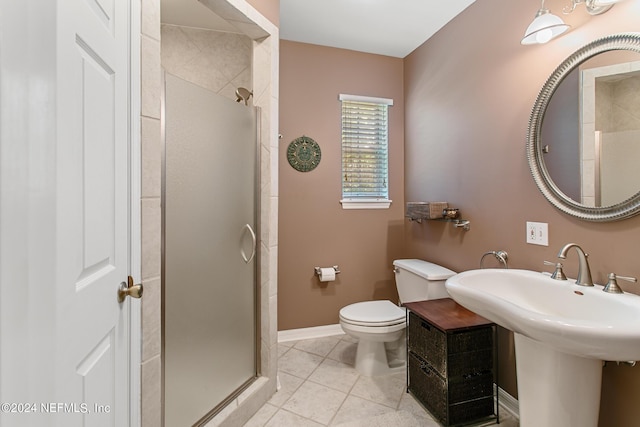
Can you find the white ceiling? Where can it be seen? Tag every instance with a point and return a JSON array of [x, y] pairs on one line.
[[192, 13], [385, 27]]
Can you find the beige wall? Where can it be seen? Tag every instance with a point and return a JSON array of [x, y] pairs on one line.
[[469, 94], [314, 230], [269, 8]]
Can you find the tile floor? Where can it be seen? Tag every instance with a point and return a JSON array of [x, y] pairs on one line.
[[320, 387]]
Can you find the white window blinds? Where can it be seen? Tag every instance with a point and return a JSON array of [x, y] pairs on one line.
[[365, 151]]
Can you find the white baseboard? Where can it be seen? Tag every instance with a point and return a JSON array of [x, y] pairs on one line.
[[509, 403], [308, 333]]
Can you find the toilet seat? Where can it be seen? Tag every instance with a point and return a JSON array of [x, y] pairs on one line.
[[373, 314]]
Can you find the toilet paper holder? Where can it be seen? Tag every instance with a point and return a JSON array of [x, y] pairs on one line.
[[335, 267]]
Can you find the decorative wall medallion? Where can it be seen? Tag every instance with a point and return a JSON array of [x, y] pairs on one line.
[[304, 154]]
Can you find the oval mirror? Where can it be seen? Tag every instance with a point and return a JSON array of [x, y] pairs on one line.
[[583, 142]]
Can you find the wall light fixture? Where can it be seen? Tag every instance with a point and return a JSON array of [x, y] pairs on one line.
[[545, 26], [594, 7]]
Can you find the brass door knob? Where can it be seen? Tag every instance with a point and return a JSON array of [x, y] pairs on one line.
[[129, 290]]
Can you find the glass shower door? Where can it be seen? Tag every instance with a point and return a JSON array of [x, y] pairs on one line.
[[209, 256]]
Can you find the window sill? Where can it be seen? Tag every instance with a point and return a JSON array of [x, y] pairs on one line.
[[365, 203]]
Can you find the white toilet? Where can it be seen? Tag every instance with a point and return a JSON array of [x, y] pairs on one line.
[[380, 326]]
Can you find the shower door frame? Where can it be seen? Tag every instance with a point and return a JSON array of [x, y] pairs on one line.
[[257, 259]]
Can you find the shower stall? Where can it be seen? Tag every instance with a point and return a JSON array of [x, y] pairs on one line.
[[209, 271]]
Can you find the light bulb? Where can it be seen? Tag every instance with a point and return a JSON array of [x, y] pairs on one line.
[[544, 36]]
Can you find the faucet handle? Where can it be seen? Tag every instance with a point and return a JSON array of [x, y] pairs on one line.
[[612, 286], [558, 274]]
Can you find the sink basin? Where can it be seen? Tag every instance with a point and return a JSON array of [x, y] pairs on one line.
[[574, 319], [562, 332]]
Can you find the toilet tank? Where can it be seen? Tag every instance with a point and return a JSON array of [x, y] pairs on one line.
[[418, 280]]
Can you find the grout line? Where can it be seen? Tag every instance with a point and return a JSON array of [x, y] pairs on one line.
[[273, 415], [345, 339], [346, 395]]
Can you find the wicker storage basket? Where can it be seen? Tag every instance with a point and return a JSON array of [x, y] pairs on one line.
[[467, 397], [432, 344]]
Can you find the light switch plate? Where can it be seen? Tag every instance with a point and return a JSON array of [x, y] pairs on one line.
[[538, 233]]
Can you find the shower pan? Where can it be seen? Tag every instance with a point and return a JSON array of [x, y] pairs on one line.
[[209, 265]]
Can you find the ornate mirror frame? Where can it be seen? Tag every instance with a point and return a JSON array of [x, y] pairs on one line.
[[622, 210]]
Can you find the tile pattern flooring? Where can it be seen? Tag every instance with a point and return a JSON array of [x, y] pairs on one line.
[[320, 387]]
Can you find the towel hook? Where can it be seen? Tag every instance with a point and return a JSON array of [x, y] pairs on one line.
[[501, 256]]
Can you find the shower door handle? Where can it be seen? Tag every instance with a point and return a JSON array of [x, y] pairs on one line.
[[253, 245]]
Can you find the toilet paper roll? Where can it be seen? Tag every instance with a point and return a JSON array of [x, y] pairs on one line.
[[327, 274]]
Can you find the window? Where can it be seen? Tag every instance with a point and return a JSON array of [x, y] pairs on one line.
[[365, 152]]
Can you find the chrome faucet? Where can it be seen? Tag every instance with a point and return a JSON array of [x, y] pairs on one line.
[[584, 272]]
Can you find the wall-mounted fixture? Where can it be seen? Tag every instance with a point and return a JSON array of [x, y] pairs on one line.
[[437, 211], [243, 94], [548, 177], [546, 26], [327, 274], [501, 256], [594, 7]]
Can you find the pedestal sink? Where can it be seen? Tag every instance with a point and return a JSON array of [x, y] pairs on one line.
[[562, 332]]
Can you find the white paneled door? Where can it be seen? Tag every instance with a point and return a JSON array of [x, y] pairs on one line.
[[65, 214], [93, 191]]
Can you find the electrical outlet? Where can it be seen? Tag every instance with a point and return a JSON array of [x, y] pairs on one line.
[[538, 233]]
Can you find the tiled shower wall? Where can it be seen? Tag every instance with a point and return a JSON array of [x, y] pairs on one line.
[[220, 62], [151, 412], [610, 115]]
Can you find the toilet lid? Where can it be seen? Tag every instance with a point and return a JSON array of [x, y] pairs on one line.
[[426, 269], [374, 313]]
